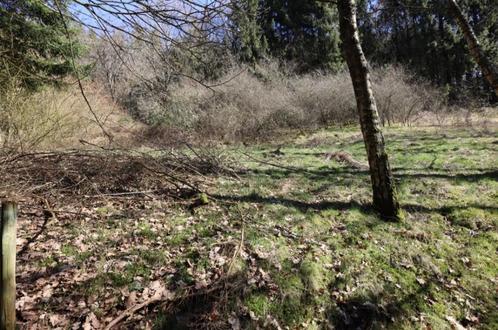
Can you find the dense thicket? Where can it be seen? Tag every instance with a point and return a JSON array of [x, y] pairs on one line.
[[295, 74]]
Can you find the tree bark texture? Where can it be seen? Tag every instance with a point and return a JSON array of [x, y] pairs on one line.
[[384, 192], [487, 68]]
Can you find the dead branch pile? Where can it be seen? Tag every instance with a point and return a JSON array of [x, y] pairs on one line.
[[91, 173], [68, 198]]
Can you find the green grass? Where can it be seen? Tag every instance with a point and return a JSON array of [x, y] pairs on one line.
[[314, 252], [356, 270]]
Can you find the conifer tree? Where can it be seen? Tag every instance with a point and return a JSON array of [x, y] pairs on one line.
[[248, 41], [34, 45], [302, 31], [424, 36]]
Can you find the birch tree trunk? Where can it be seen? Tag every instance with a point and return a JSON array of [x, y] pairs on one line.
[[488, 69], [384, 192]]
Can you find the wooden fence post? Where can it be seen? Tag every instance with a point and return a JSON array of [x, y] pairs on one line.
[[8, 267]]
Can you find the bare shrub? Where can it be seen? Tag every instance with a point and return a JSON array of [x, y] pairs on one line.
[[258, 106], [325, 99], [56, 118], [262, 102], [402, 98], [247, 108]]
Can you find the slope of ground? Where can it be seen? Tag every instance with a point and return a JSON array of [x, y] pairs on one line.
[[289, 241]]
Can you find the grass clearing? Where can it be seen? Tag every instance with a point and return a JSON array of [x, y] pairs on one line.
[[313, 252]]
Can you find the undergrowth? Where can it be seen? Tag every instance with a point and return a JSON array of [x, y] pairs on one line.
[[291, 241]]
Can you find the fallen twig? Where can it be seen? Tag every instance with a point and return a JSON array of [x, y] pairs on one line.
[[239, 247], [290, 168], [130, 193], [132, 310]]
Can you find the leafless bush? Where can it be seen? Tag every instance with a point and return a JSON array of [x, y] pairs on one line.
[[27, 121], [246, 108], [257, 104], [404, 99], [326, 99], [54, 118]]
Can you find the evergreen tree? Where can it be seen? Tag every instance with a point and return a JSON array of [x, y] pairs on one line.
[[424, 36], [304, 32], [248, 41], [34, 45]]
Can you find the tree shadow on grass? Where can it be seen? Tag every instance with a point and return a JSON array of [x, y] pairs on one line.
[[445, 210], [399, 173], [32, 239], [369, 312], [302, 206], [352, 177], [323, 172], [475, 175], [365, 208], [201, 309]]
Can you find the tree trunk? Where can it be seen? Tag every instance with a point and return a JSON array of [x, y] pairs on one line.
[[384, 192], [488, 69]]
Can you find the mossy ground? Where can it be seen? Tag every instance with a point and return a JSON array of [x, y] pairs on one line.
[[314, 254], [343, 265]]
